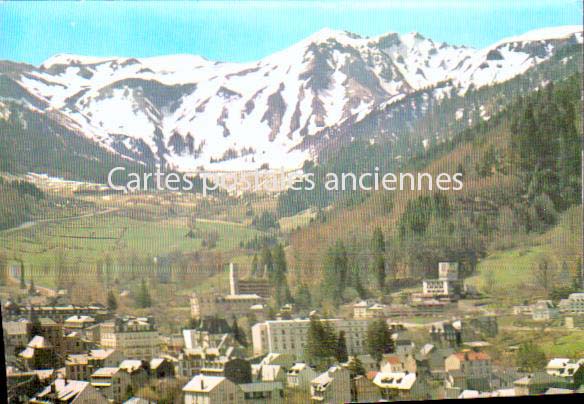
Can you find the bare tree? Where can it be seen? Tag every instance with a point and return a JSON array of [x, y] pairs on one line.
[[544, 274]]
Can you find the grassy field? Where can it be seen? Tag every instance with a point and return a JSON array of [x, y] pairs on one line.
[[570, 345], [89, 239], [299, 220], [511, 272]]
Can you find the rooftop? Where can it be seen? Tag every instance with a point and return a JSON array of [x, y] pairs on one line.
[[203, 384], [472, 356], [105, 372], [395, 380], [66, 390]]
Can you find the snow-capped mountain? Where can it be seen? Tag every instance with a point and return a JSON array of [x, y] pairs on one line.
[[193, 113]]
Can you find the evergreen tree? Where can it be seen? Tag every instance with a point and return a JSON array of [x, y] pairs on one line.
[[3, 269], [255, 265], [22, 282], [280, 268], [321, 343], [112, 303], [356, 367], [336, 270], [238, 333], [379, 340], [266, 262], [378, 249], [530, 357], [341, 353], [303, 299], [314, 348], [143, 299], [35, 326]]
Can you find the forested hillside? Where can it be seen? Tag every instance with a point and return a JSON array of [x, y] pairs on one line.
[[521, 171]]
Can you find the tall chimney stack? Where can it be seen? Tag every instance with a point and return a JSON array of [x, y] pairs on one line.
[[233, 279]]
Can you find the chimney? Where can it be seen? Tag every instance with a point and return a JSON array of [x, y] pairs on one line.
[[233, 279], [202, 384]]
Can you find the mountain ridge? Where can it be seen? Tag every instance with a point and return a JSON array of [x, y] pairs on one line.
[[193, 114]]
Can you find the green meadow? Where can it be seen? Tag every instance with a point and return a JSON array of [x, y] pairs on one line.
[[91, 239]]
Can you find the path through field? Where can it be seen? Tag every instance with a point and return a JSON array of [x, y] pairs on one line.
[[28, 225]]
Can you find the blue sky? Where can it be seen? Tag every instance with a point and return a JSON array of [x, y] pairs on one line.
[[245, 30]]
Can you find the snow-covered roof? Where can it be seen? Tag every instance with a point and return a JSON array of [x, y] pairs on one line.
[[203, 384], [66, 390], [131, 365], [395, 380], [105, 372]]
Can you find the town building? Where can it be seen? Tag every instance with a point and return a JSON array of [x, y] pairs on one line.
[[38, 354], [16, 335], [332, 386], [448, 286], [212, 389], [364, 390], [539, 383], [161, 368], [568, 369], [430, 359], [300, 375], [69, 391], [223, 306], [78, 322], [286, 361], [544, 310], [262, 392], [114, 383], [368, 362], [468, 370], [75, 343], [243, 295], [133, 337], [77, 367], [369, 310], [392, 363], [268, 373], [26, 383], [574, 304], [137, 371], [100, 358], [575, 321], [290, 336], [53, 333], [13, 311], [400, 386]]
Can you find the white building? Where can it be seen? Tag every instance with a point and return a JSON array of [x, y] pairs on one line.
[[133, 337], [395, 384], [290, 336], [114, 383], [363, 310], [447, 285], [69, 391], [574, 304], [262, 392], [332, 386], [544, 310], [237, 303], [565, 367], [212, 390], [300, 375]]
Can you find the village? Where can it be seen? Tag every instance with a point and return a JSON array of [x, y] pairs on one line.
[[369, 351]]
